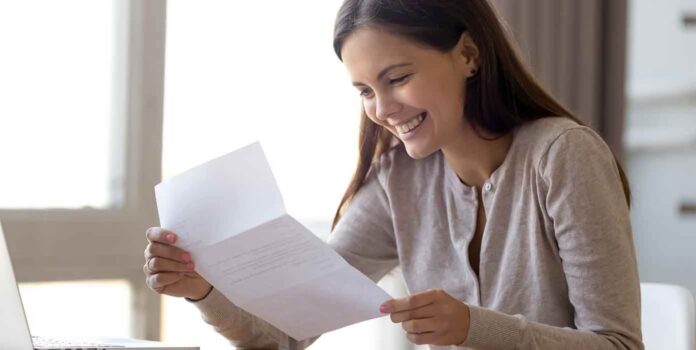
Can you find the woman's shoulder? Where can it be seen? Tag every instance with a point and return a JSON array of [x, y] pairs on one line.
[[538, 136], [562, 148], [545, 130]]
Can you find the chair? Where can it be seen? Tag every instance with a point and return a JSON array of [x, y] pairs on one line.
[[668, 317]]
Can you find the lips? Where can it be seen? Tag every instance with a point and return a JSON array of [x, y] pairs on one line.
[[412, 124]]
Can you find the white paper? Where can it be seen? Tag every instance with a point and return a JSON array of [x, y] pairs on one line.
[[230, 215]]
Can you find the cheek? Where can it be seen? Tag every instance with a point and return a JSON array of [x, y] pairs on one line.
[[446, 90], [432, 93], [450, 100]]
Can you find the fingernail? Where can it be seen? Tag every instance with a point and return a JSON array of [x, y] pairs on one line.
[[190, 265], [185, 257], [170, 237], [383, 309]]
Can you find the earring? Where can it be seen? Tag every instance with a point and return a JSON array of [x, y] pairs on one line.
[[473, 72]]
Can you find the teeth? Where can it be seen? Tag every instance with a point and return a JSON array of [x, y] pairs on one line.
[[410, 125]]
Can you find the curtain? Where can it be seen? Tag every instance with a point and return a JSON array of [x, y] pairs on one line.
[[577, 49]]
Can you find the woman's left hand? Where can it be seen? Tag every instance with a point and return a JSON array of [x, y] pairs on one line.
[[431, 317]]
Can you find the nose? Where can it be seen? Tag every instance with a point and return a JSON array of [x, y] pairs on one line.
[[386, 106]]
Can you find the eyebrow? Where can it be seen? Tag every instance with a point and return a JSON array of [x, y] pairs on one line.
[[385, 71]]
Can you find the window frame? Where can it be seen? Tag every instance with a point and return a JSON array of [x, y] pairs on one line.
[[90, 243]]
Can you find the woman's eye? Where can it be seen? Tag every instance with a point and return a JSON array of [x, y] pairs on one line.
[[399, 79], [365, 93]]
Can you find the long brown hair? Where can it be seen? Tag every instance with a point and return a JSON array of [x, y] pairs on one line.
[[501, 96]]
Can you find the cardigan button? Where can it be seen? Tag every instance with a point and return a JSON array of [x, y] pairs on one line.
[[488, 186]]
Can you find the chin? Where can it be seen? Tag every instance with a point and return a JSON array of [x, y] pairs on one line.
[[419, 152]]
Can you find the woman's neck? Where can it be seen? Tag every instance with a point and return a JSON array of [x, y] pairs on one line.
[[474, 159]]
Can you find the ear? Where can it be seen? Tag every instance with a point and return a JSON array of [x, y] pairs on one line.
[[467, 55]]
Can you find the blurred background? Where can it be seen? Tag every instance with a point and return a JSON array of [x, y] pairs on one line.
[[102, 99]]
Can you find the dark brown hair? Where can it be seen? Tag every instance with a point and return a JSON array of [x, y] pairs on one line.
[[501, 96]]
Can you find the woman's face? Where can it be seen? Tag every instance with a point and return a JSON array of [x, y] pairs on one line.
[[415, 92]]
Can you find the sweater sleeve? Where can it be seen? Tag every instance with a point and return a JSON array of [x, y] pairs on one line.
[[363, 238], [586, 203]]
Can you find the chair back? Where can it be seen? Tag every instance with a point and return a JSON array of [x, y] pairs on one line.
[[668, 320]]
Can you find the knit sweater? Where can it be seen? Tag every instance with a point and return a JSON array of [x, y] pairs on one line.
[[557, 265]]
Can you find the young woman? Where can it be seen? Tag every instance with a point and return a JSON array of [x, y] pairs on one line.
[[508, 217]]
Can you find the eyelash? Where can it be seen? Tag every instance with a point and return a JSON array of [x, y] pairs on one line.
[[398, 80]]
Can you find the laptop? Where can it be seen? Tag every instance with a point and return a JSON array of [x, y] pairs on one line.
[[14, 329]]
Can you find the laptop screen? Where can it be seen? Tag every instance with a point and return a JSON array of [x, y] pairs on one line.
[[14, 331]]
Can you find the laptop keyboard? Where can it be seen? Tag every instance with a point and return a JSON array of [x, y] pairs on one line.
[[46, 343]]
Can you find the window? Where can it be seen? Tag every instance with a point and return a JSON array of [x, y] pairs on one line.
[[239, 72], [55, 116], [182, 324], [80, 141], [78, 308]]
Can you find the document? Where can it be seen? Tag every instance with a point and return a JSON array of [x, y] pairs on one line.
[[229, 214]]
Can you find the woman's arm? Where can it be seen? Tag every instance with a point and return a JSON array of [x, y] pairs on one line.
[[363, 237], [242, 329], [585, 201]]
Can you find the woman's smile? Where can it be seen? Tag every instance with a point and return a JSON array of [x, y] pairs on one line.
[[411, 124], [408, 129]]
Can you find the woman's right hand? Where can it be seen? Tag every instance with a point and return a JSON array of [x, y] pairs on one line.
[[169, 270]]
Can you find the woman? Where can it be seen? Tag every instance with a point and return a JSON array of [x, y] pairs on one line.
[[507, 216]]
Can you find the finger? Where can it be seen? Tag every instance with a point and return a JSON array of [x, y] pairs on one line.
[[422, 338], [160, 280], [421, 312], [157, 264], [409, 302], [158, 234], [420, 326], [156, 249]]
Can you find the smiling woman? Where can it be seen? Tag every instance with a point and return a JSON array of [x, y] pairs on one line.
[[508, 216]]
